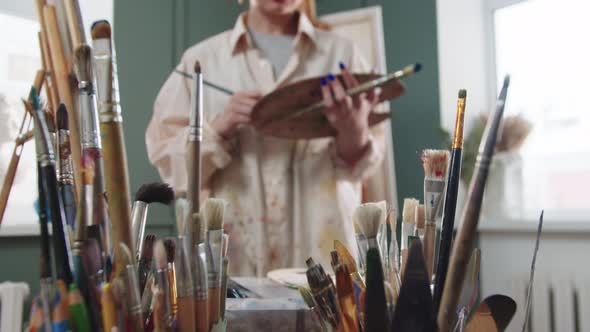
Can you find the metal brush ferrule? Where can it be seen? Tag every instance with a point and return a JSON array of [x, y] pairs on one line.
[[200, 275], [164, 286], [45, 154], [214, 257], [184, 279], [196, 116], [372, 242], [89, 130], [138, 222], [433, 197], [133, 295], [66, 172], [458, 136]]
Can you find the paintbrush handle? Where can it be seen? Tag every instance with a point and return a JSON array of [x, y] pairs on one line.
[[9, 179], [47, 68], [214, 299], [193, 192], [64, 87], [447, 226], [117, 180], [186, 311], [429, 245], [69, 200], [202, 315], [75, 24]]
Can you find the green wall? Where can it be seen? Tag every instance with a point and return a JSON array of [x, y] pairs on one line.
[[150, 37]]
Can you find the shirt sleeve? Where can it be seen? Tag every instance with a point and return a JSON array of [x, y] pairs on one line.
[[167, 134], [373, 156]]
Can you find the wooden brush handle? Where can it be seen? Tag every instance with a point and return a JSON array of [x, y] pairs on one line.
[[202, 315], [214, 302], [194, 188], [75, 24], [64, 87], [186, 314], [404, 255], [9, 179], [116, 180], [52, 96], [429, 244]]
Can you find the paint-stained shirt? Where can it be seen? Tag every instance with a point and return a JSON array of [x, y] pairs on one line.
[[287, 199]]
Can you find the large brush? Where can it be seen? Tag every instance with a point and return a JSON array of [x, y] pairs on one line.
[[214, 212], [467, 233], [408, 228], [111, 126]]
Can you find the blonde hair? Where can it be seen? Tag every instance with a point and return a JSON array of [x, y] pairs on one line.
[[308, 8]]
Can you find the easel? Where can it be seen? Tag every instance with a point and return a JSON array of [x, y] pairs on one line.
[[59, 81]]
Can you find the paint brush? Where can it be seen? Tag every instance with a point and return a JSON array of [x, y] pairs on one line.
[[170, 246], [223, 292], [133, 300], [92, 154], [308, 299], [413, 311], [93, 279], [78, 311], [214, 213], [408, 228], [155, 192], [163, 280], [111, 128], [448, 218], [145, 260], [184, 282], [368, 217], [66, 172], [201, 287], [435, 164], [345, 292], [195, 139], [46, 160], [394, 253], [207, 83], [75, 23], [529, 293], [59, 316], [324, 292], [470, 290], [362, 247], [467, 232], [419, 221], [109, 314]]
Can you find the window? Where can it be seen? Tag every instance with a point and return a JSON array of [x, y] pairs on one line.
[[543, 45]]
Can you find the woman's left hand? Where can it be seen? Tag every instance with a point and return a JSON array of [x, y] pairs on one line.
[[348, 115]]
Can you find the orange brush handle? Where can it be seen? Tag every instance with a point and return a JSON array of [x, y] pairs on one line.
[[214, 302], [202, 315], [186, 314]]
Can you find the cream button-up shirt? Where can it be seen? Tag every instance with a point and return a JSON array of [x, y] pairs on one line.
[[287, 199]]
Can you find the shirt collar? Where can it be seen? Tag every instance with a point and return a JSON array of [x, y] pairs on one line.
[[240, 38]]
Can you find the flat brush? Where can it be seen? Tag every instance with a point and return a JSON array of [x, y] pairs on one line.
[[201, 287], [467, 232], [145, 260], [323, 292], [163, 280], [66, 172], [448, 218], [195, 139], [46, 160], [435, 164], [408, 228], [184, 283], [134, 313], [214, 213], [413, 311], [345, 292], [419, 221], [111, 128], [393, 254], [223, 292], [155, 192], [92, 153]]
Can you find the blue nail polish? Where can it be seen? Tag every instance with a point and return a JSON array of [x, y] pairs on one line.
[[323, 81], [341, 65], [331, 77]]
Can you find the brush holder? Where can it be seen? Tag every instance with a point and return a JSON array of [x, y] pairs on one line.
[[503, 196]]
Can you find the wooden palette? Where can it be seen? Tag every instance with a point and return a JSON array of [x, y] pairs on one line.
[[271, 114]]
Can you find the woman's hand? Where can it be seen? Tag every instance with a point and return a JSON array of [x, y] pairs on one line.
[[348, 115], [236, 112]]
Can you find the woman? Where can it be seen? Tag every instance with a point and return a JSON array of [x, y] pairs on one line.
[[288, 199]]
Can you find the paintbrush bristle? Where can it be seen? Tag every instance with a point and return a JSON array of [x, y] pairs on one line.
[[147, 251], [160, 255], [62, 118], [126, 254], [462, 94], [420, 216], [180, 211], [197, 67], [83, 63], [392, 220], [435, 163], [369, 216], [155, 192], [214, 212], [170, 245], [409, 212], [101, 29]]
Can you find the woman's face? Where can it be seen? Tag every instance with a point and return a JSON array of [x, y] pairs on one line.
[[276, 7]]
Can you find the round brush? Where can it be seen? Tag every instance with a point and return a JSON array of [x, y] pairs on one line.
[[214, 212], [163, 279]]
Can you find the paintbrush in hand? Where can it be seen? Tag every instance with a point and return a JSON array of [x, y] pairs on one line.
[[66, 172], [448, 218], [368, 217], [214, 213], [111, 128], [155, 192], [435, 163], [408, 228], [92, 154], [467, 232]]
